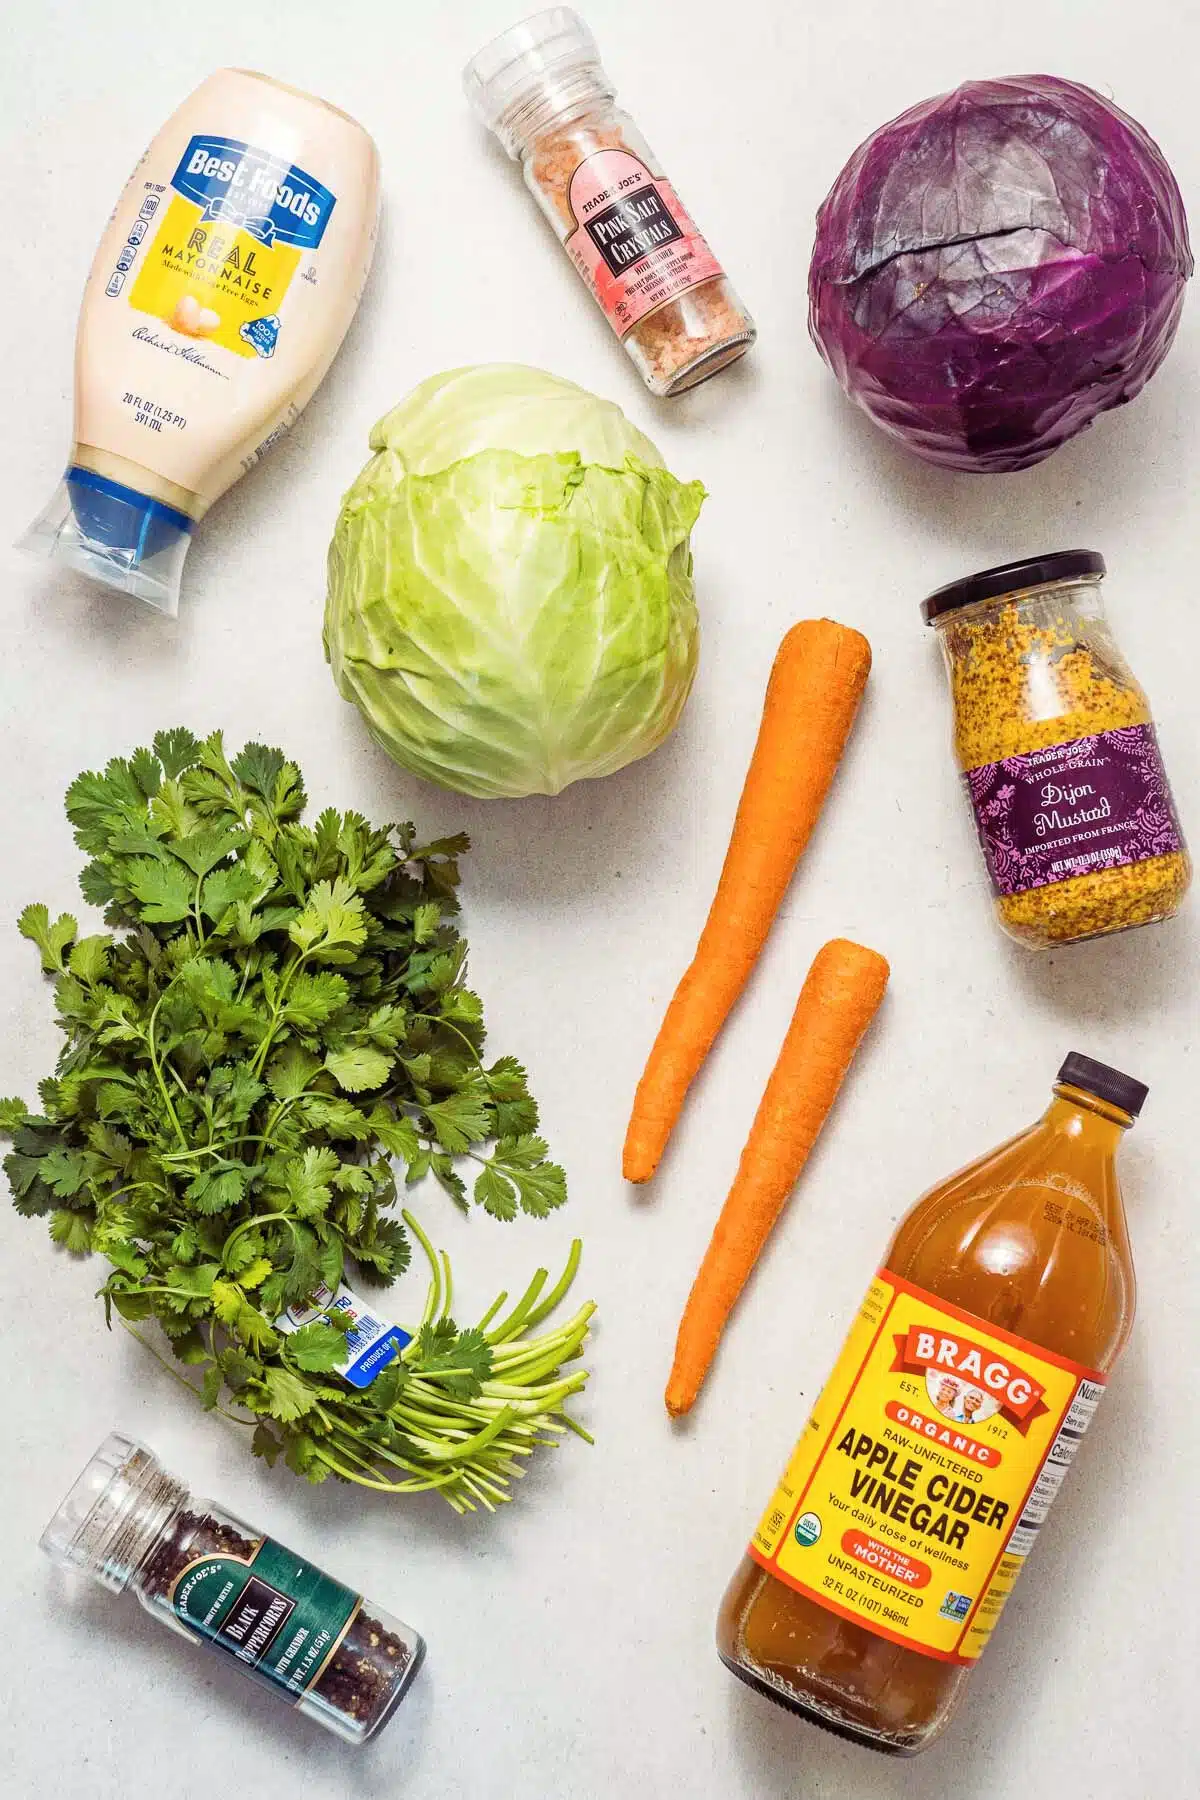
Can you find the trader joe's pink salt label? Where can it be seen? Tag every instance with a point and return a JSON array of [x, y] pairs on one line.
[[633, 242]]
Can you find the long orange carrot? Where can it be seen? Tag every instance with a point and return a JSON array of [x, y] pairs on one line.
[[837, 1002], [816, 683]]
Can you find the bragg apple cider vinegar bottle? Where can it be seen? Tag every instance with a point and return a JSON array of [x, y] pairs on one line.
[[932, 1456]]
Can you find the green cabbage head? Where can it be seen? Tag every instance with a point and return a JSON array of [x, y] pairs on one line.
[[510, 585]]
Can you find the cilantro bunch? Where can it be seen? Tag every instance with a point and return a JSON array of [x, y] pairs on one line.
[[279, 1017]]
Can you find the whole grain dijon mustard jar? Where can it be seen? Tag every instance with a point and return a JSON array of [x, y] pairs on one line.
[[1059, 754]]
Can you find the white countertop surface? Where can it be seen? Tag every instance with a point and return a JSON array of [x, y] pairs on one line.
[[571, 1638]]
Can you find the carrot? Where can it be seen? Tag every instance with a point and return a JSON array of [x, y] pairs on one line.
[[839, 999], [812, 697]]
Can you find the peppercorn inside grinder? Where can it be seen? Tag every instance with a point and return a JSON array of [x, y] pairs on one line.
[[129, 1523]]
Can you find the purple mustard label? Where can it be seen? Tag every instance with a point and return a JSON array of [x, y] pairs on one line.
[[1096, 803]]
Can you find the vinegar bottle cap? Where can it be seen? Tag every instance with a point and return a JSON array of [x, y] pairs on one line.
[[1104, 1082]]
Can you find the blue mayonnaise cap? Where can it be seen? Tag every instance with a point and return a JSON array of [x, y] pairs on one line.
[[116, 535]]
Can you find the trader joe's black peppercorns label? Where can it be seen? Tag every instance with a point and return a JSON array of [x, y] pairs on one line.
[[271, 1610]]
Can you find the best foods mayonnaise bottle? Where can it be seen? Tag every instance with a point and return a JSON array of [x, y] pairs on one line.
[[221, 290]]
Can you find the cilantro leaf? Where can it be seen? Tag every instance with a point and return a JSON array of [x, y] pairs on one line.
[[461, 1119], [89, 958], [541, 1185], [318, 1347], [461, 1360], [339, 1119], [217, 1190], [313, 998], [307, 1178], [50, 939], [426, 919], [303, 1457], [176, 750], [163, 892], [232, 1308], [12, 1112], [289, 1073], [72, 1231], [396, 1133], [144, 767], [242, 1249], [332, 924], [495, 1194], [223, 888], [64, 1172], [197, 1282], [358, 1068], [201, 851], [98, 805], [238, 1091], [258, 768], [287, 1396], [264, 1443]]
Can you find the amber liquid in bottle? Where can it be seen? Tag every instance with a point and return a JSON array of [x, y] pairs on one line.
[[1031, 1239]]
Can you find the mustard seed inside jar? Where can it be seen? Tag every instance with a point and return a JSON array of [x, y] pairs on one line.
[[1059, 754]]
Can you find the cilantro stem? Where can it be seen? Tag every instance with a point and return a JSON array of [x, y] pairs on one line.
[[176, 1376], [473, 1445], [366, 1481], [433, 1307], [425, 1478], [561, 1287], [257, 1219], [525, 1315], [260, 1056], [478, 1483], [448, 1025], [492, 1310], [158, 1075], [198, 915], [222, 1150], [516, 1318], [574, 1425], [273, 1118]]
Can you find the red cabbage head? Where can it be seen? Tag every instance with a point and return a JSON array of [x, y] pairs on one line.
[[998, 266]]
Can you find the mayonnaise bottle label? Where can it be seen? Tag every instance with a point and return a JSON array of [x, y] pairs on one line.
[[228, 244], [231, 267]]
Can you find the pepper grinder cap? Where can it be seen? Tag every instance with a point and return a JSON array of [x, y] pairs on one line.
[[112, 1513], [527, 61]]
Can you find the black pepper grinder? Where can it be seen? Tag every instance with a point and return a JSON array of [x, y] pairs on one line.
[[129, 1523]]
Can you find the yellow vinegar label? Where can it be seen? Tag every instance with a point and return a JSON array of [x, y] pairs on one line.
[[927, 1468]]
